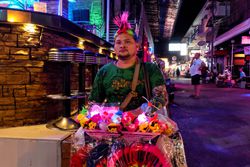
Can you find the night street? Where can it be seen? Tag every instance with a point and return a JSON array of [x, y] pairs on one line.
[[81, 81], [216, 127]]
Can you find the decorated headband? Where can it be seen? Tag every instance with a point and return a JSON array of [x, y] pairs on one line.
[[124, 26]]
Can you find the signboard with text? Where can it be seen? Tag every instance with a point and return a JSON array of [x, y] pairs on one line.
[[5, 5], [40, 7], [248, 58], [239, 62], [239, 55], [247, 50], [245, 40]]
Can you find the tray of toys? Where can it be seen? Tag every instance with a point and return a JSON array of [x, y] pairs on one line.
[[108, 137], [110, 119], [127, 149]]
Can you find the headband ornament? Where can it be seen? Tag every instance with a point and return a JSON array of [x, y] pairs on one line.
[[124, 26]]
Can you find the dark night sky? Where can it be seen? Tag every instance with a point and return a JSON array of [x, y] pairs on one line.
[[188, 12]]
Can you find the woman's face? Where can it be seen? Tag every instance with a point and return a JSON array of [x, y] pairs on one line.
[[125, 46]]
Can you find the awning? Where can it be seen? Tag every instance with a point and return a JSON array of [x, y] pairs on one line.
[[240, 28]]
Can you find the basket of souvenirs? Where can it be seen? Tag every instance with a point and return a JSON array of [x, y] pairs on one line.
[[109, 137]]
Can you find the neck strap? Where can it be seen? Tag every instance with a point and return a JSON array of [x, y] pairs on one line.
[[132, 93]]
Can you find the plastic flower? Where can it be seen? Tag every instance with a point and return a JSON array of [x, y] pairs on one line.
[[143, 127], [92, 125], [113, 128], [82, 119]]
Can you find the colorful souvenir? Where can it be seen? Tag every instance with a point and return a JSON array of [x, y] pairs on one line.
[[113, 127]]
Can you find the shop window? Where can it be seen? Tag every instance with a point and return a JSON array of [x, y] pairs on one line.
[[81, 15]]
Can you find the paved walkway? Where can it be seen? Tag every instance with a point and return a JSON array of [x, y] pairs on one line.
[[216, 127]]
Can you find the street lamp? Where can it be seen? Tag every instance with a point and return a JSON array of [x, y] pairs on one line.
[[232, 56]]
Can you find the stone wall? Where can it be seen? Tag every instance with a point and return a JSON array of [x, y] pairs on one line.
[[26, 77]]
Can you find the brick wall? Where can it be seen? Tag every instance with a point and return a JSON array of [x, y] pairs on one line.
[[26, 77]]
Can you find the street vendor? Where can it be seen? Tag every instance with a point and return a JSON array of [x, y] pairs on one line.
[[126, 83], [114, 81]]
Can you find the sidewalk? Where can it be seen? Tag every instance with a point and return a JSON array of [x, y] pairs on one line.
[[216, 127]]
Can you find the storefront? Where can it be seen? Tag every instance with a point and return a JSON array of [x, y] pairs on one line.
[[235, 45]]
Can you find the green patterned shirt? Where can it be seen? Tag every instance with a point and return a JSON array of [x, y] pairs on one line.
[[113, 84]]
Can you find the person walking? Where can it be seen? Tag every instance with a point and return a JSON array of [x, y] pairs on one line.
[[195, 71], [178, 73], [242, 75]]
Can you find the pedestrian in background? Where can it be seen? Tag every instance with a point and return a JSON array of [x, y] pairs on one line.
[[204, 74], [242, 76], [178, 72], [242, 73], [214, 74], [195, 71]]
